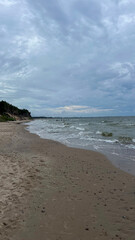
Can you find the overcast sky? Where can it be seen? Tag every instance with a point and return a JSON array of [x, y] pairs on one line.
[[68, 58]]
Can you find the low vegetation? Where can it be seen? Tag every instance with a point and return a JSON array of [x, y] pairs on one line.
[[9, 112]]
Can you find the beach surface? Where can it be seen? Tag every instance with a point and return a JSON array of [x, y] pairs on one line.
[[52, 192]]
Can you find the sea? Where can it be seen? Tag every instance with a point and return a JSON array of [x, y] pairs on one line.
[[112, 136]]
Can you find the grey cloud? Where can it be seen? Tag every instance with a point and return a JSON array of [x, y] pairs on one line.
[[90, 9], [68, 53]]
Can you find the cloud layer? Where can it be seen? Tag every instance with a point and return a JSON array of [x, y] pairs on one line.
[[72, 53]]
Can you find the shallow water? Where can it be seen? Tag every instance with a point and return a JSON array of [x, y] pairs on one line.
[[113, 136]]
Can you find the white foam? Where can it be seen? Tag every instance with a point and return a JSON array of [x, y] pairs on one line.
[[83, 124], [114, 153], [80, 133], [78, 128], [107, 140], [98, 132], [72, 127], [96, 147], [110, 141], [130, 146]]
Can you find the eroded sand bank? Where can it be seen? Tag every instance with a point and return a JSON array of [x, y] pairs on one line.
[[51, 192]]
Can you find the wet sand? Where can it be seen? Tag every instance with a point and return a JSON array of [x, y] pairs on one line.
[[52, 192]]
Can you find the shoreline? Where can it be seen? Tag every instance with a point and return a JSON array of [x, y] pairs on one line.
[[121, 155], [52, 191]]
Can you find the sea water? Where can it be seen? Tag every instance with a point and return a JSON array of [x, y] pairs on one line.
[[112, 136]]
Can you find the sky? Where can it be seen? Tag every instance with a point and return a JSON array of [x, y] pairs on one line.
[[68, 58]]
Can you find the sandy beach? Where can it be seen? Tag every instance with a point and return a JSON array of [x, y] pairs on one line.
[[52, 192]]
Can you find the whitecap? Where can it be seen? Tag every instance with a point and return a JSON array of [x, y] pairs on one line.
[[98, 132], [72, 127], [78, 128], [110, 141], [131, 146], [114, 153], [106, 140]]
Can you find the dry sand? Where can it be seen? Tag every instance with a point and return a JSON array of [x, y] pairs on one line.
[[52, 192]]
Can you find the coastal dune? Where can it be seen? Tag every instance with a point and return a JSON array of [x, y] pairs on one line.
[[52, 192]]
